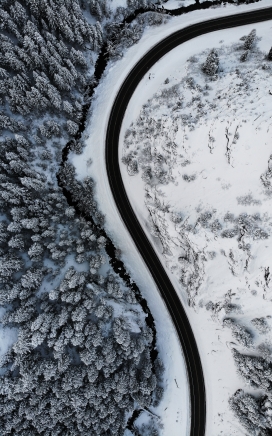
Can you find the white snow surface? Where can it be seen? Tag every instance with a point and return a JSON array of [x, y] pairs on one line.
[[116, 3], [217, 187], [174, 408], [175, 4]]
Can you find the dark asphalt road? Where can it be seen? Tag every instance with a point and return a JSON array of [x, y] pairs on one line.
[[164, 285]]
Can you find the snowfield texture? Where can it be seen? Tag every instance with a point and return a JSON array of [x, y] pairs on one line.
[[198, 161], [221, 384]]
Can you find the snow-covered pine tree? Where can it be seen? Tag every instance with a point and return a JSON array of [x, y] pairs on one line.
[[250, 39], [211, 65]]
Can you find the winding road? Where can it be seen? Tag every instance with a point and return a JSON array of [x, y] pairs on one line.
[[164, 285]]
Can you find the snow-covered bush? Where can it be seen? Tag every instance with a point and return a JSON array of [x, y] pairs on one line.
[[244, 56], [239, 332], [261, 324], [132, 167], [188, 178]]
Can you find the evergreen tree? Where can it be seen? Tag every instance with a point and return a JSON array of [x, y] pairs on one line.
[[254, 413], [250, 39], [211, 65]]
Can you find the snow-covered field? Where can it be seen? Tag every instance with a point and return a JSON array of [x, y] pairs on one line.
[[116, 3], [220, 375], [201, 146], [174, 4]]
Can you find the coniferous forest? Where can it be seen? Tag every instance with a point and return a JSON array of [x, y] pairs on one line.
[[81, 362]]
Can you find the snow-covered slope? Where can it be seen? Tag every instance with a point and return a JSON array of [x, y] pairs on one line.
[[197, 171]]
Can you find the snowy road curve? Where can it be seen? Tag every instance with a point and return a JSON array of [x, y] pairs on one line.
[[164, 285]]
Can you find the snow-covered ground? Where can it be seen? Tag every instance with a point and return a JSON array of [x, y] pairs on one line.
[[174, 4], [212, 342], [210, 191], [116, 3]]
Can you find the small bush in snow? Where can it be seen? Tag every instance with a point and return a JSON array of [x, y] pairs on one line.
[[248, 200], [189, 178], [244, 56], [212, 255], [261, 325], [229, 233], [232, 308], [204, 219], [147, 174], [210, 306], [132, 167]]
